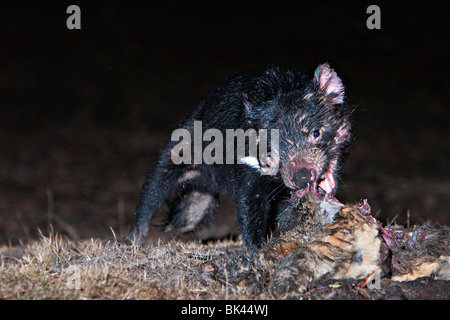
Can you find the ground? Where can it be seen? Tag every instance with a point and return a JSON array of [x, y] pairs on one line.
[[57, 268]]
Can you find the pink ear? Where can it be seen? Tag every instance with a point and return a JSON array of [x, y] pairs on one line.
[[329, 85], [247, 104]]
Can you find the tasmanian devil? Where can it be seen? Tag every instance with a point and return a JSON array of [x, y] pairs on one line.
[[313, 123]]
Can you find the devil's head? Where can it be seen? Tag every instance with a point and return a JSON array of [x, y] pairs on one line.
[[314, 127]]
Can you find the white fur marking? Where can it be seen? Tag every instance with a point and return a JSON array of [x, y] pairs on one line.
[[252, 162]]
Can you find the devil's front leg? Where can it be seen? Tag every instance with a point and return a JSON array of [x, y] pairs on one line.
[[253, 207]]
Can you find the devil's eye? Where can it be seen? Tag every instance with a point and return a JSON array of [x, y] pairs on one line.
[[316, 133]]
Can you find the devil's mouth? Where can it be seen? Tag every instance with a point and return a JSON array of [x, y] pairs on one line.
[[324, 186], [317, 188]]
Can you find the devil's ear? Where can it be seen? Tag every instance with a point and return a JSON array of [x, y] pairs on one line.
[[328, 85], [249, 110], [247, 104]]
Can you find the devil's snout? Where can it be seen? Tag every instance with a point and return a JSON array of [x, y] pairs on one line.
[[302, 177]]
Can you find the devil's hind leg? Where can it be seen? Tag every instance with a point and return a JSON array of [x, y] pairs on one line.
[[196, 201]]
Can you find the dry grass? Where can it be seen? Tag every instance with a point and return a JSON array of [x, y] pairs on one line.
[[57, 268], [54, 267], [297, 263]]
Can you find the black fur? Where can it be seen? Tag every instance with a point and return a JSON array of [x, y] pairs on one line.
[[286, 99]]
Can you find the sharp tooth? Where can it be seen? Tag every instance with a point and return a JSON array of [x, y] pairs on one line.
[[321, 191]]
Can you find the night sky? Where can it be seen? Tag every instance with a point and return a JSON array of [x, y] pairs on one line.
[[140, 68]]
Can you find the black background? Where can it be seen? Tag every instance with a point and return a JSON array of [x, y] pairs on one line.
[[84, 111]]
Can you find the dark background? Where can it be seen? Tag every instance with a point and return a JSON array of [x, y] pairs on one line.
[[83, 112]]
